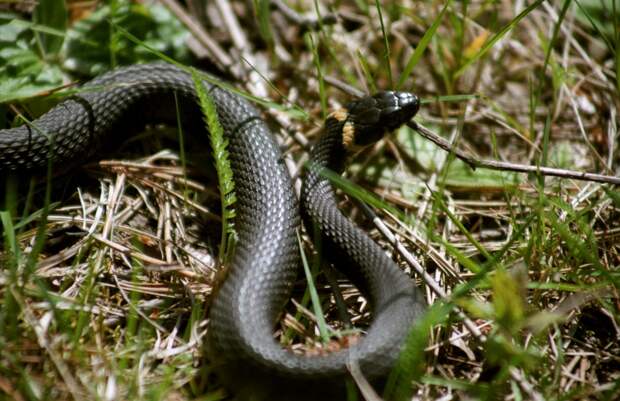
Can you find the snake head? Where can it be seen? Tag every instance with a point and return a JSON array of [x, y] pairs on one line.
[[370, 117]]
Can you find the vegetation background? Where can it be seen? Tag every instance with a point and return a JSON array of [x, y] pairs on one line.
[[107, 271]]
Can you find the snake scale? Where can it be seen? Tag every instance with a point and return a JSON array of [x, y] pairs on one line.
[[266, 260]]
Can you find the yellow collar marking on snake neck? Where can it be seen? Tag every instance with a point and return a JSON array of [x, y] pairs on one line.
[[348, 129], [340, 114], [348, 135]]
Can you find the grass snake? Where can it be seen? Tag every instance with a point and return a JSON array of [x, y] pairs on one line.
[[266, 260]]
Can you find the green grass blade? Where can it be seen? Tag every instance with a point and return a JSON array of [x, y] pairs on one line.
[[368, 76], [386, 45], [263, 15], [41, 235], [219, 146], [457, 222], [314, 295], [360, 193], [53, 14], [499, 35], [422, 45], [294, 110], [410, 365], [310, 43], [449, 98], [595, 26], [8, 232]]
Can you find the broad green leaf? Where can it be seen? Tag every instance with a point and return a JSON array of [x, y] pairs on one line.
[[153, 26]]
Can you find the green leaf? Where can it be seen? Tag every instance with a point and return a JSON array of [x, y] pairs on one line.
[[11, 31], [22, 73], [154, 27], [18, 26]]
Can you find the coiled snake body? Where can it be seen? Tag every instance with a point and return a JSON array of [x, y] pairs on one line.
[[266, 259]]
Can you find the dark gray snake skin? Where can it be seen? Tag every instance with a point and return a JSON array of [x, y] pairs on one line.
[[266, 260]]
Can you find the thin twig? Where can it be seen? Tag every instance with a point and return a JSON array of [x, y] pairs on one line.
[[484, 163], [507, 166], [411, 260], [368, 392]]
